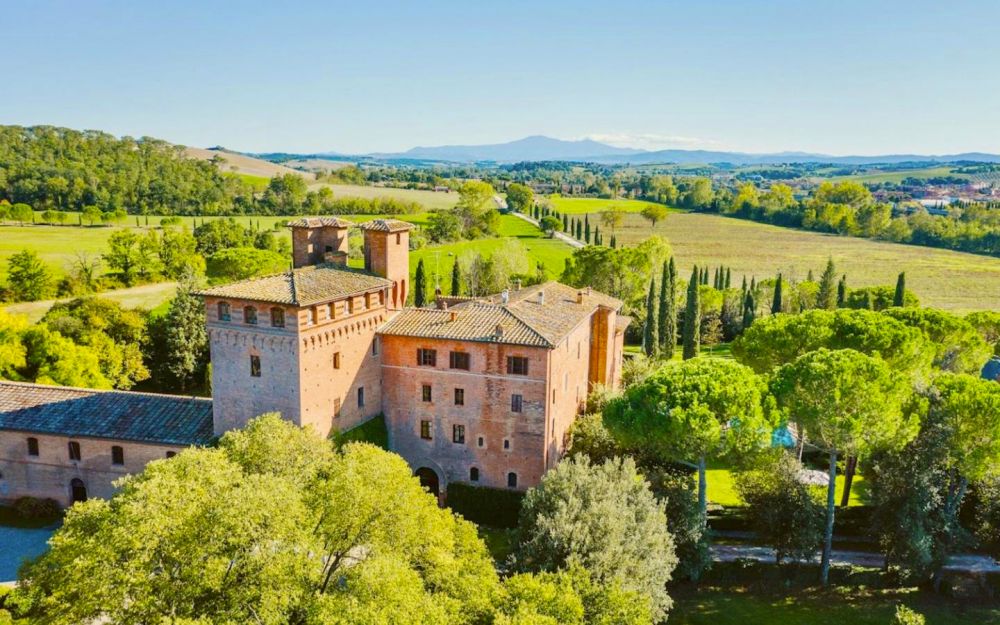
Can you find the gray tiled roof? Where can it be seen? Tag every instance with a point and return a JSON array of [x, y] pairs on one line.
[[121, 415], [525, 319], [318, 222], [304, 286], [386, 225]]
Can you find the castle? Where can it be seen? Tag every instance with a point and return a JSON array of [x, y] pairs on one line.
[[480, 390]]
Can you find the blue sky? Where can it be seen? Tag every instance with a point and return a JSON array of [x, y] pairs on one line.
[[838, 76]]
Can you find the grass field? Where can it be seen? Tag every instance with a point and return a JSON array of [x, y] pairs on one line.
[[942, 278], [431, 200], [722, 489], [147, 296], [581, 205], [898, 176], [715, 606]]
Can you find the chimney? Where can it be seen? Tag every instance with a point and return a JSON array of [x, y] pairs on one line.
[[541, 296], [579, 297], [499, 331], [517, 284], [442, 304], [505, 297], [437, 292], [453, 315]]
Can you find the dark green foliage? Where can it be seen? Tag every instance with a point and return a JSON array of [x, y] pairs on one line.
[[827, 297], [493, 507], [586, 229], [36, 509], [650, 336], [776, 303], [691, 334], [899, 298], [667, 321], [28, 278], [178, 354], [419, 285], [842, 291], [729, 278], [372, 431], [456, 279], [877, 298], [749, 310]]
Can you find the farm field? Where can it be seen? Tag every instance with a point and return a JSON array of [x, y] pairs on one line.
[[581, 205], [898, 176], [945, 279], [432, 200], [715, 606], [146, 296]]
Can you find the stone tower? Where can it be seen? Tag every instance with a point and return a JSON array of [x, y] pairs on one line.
[[387, 254], [319, 239]]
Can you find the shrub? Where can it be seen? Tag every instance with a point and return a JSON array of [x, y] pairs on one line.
[[33, 508], [372, 431], [494, 507], [906, 616]]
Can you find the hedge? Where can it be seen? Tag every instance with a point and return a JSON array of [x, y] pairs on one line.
[[371, 431], [494, 507]]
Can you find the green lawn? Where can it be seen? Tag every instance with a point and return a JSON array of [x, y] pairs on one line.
[[432, 200], [581, 205], [897, 177], [722, 489]]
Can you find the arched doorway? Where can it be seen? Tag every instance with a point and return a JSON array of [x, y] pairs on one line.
[[429, 480], [78, 490]]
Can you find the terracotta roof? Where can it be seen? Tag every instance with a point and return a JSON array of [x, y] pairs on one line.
[[386, 225], [525, 319], [318, 222], [304, 286], [140, 417]]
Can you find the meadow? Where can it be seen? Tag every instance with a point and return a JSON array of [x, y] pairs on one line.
[[945, 279], [876, 176], [581, 205]]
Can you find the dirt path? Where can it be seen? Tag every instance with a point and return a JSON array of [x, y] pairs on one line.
[[962, 563]]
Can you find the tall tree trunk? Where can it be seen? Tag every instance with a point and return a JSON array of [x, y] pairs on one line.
[[951, 507], [831, 491], [852, 465], [702, 492]]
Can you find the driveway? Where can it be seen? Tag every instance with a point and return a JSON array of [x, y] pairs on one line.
[[18, 544]]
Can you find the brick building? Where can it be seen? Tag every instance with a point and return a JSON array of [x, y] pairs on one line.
[[477, 390]]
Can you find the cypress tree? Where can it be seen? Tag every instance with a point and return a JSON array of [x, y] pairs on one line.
[[753, 283], [776, 303], [827, 297], [809, 277], [613, 242], [842, 291], [744, 287], [565, 223], [586, 229], [900, 298], [692, 319], [597, 235], [456, 279], [419, 285], [579, 230], [869, 300], [715, 278], [667, 327], [650, 339], [749, 310], [729, 277]]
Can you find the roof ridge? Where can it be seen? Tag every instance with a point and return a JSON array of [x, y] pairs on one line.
[[505, 308], [294, 288], [60, 387]]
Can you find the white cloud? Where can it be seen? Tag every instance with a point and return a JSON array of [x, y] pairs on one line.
[[654, 141]]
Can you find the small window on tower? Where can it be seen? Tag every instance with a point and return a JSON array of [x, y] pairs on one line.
[[473, 474], [361, 397], [458, 434], [506, 443], [512, 480], [426, 357], [224, 312], [398, 238], [336, 360], [517, 365], [375, 346], [250, 315], [277, 318], [255, 366], [459, 396], [117, 455], [459, 360], [426, 392], [74, 450], [425, 430], [32, 446], [336, 407], [516, 403]]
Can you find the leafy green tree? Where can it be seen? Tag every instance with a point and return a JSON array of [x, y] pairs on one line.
[[123, 254], [28, 278], [240, 263], [91, 214], [693, 412], [12, 350], [959, 347], [550, 225], [444, 225], [690, 334], [623, 273], [612, 217], [420, 285], [827, 298], [520, 197], [603, 517], [785, 513], [654, 213], [650, 337], [845, 403], [54, 359], [22, 213], [877, 298], [179, 340], [987, 323], [177, 253]]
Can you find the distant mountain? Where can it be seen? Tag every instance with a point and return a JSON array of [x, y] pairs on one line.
[[534, 148], [541, 148]]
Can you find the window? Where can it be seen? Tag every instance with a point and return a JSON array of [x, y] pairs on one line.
[[250, 315], [427, 392], [361, 397], [512, 480], [224, 312], [425, 430], [481, 442], [117, 455], [458, 360], [314, 315], [171, 454], [375, 346], [331, 310], [255, 366], [426, 357], [336, 407], [517, 365], [516, 403], [553, 396], [336, 360], [74, 450], [32, 446], [277, 318], [397, 238], [474, 474], [458, 434], [459, 396], [350, 305], [506, 443]]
